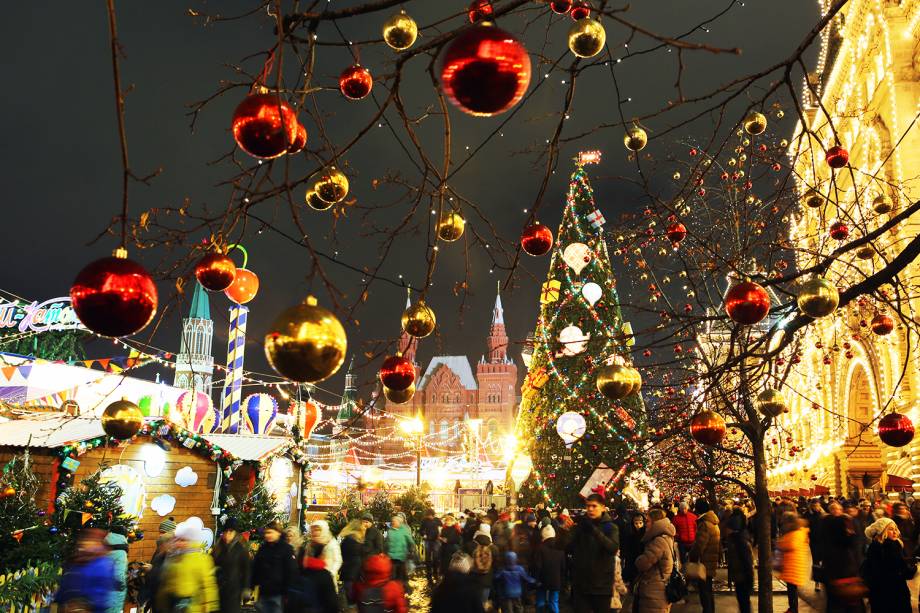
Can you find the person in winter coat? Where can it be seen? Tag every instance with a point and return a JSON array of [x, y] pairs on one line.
[[373, 538], [273, 570], [548, 570], [619, 588], [815, 517], [685, 525], [376, 591], [525, 537], [631, 546], [323, 545], [886, 570], [118, 551], [312, 590], [793, 550], [431, 535], [457, 592], [509, 584], [593, 545], [231, 558], [188, 581], [740, 557], [400, 546], [351, 543], [839, 559], [485, 561], [903, 519], [450, 541], [705, 550], [88, 581], [654, 565]]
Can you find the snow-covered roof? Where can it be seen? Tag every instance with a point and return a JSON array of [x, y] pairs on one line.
[[250, 447], [458, 364]]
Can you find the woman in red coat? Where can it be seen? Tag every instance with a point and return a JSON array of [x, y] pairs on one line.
[[376, 590]]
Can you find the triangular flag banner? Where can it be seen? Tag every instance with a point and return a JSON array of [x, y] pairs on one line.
[[17, 534], [8, 372], [85, 517], [104, 362], [24, 370]]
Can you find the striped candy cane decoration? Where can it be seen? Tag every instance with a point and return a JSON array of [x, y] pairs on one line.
[[233, 383]]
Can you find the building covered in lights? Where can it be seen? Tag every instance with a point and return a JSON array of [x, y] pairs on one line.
[[864, 96]]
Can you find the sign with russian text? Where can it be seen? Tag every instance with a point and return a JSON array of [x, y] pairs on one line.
[[53, 314]]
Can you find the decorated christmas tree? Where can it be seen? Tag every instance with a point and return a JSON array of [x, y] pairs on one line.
[[253, 513], [25, 539], [580, 347], [94, 503]]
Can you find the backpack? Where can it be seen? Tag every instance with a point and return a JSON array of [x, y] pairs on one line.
[[482, 559], [372, 601]]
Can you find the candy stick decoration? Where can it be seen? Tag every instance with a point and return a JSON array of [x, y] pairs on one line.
[[233, 383]]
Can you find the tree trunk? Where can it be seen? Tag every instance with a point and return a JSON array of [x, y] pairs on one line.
[[762, 525]]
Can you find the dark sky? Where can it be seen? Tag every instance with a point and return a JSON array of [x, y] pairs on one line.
[[62, 171]]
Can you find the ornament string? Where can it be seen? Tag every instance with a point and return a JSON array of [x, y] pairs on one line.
[[120, 113]]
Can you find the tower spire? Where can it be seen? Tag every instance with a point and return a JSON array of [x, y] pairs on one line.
[[498, 338], [194, 362]]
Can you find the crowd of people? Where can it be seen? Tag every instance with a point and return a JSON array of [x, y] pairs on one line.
[[597, 559]]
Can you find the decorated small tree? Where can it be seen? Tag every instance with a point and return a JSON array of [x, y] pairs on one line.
[[350, 508], [25, 538], [94, 503], [413, 503], [254, 512]]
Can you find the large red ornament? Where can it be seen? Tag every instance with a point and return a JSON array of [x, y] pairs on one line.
[[537, 239], [747, 303], [485, 71], [264, 126], [244, 287], [676, 232], [114, 296], [581, 10], [561, 7], [215, 271], [839, 231], [882, 324], [837, 157], [895, 430], [356, 82], [397, 373], [479, 10], [707, 427]]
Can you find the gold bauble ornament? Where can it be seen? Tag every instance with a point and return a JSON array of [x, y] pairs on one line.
[[418, 320], [587, 37], [122, 419], [636, 380], [306, 343], [615, 381], [635, 139], [755, 123], [818, 297], [882, 204], [332, 185], [399, 397], [400, 31], [771, 403], [315, 202], [450, 227], [813, 199]]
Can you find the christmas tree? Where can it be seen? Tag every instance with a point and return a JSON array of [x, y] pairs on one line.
[[25, 539], [93, 503], [256, 511], [579, 332]]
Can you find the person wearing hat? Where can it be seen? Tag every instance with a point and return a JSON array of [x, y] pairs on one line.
[[457, 592], [400, 546], [525, 538], [654, 565], [373, 538], [188, 582], [594, 543], [450, 541], [885, 569], [273, 569], [548, 570], [231, 558], [118, 551], [485, 559], [88, 581]]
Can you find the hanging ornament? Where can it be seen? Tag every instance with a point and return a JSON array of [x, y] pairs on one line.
[[450, 227], [418, 320], [616, 381], [480, 10], [122, 419], [587, 37], [399, 396], [300, 141], [813, 199], [244, 287], [306, 343], [837, 157], [771, 403], [264, 126], [215, 271], [895, 430], [707, 427], [882, 204], [866, 252], [573, 340], [755, 123], [400, 31], [747, 303], [560, 7], [676, 232], [571, 426], [839, 231], [577, 256], [356, 82], [818, 297], [580, 10], [259, 413], [485, 71], [635, 139], [882, 324], [592, 292], [397, 373], [537, 239], [114, 296], [315, 202], [549, 291], [332, 185]]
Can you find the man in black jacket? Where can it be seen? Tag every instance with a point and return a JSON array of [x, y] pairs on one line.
[[273, 570], [431, 533], [231, 559], [594, 544], [373, 538]]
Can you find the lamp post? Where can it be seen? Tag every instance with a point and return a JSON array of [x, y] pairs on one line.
[[415, 427]]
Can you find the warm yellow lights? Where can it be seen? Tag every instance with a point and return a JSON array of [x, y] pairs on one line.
[[414, 426]]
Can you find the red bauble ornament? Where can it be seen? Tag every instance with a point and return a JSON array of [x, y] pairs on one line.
[[215, 271], [397, 373], [676, 232], [264, 126], [300, 141], [485, 71], [747, 303], [244, 286], [537, 239], [837, 157], [479, 10], [882, 324], [707, 427], [356, 82], [114, 296], [839, 231], [561, 7], [895, 430], [581, 10]]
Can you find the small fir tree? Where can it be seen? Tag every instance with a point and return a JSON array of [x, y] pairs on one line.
[[93, 503], [413, 503], [25, 539], [254, 512]]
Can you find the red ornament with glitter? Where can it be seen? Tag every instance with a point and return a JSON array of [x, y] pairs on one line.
[[676, 232], [397, 373], [356, 82], [244, 286], [580, 10], [215, 271], [839, 231], [895, 430], [537, 239], [747, 303], [480, 10], [707, 427], [485, 71], [882, 324], [837, 157], [114, 296], [300, 141], [561, 7], [264, 126]]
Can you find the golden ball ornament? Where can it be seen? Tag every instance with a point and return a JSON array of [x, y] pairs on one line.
[[332, 186], [400, 31], [418, 320], [89, 504], [450, 227], [399, 396], [306, 343], [818, 297], [882, 324], [882, 204], [771, 403], [755, 123], [636, 380], [315, 202], [122, 419], [615, 381], [636, 139], [707, 427], [813, 199], [9, 491], [587, 37]]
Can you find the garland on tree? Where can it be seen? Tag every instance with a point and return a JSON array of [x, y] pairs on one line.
[[25, 538], [254, 512], [92, 504]]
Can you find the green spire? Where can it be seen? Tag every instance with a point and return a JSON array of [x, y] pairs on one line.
[[201, 308]]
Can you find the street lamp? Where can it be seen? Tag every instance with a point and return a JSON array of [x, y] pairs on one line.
[[415, 427]]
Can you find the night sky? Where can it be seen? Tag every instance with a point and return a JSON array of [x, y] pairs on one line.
[[61, 162]]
